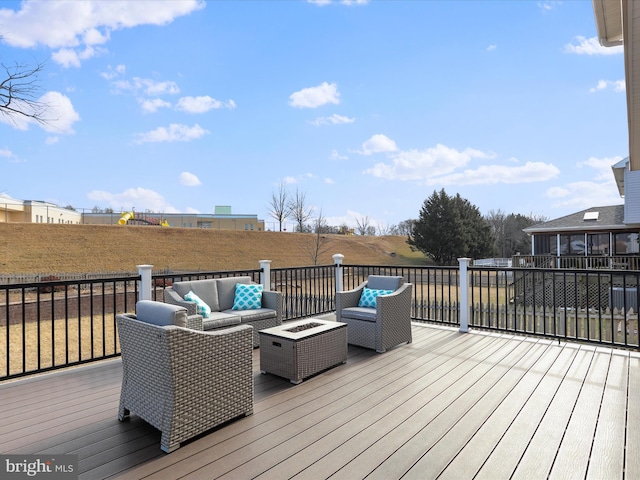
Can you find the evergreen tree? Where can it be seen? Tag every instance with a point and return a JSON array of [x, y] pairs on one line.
[[449, 228]]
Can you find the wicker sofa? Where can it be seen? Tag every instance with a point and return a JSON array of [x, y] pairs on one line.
[[182, 381], [219, 294], [384, 325]]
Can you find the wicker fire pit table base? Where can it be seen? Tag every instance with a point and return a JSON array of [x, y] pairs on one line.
[[297, 350]]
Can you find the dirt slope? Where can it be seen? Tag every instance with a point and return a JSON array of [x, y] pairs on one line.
[[42, 248]]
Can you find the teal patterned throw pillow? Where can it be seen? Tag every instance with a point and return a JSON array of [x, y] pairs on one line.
[[201, 307], [247, 297], [368, 297]]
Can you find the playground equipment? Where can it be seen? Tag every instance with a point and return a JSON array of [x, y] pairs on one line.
[[127, 217]]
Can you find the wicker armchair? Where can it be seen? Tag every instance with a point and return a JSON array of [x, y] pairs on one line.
[[182, 381], [384, 326]]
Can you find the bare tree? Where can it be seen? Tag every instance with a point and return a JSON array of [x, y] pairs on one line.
[[384, 230], [319, 243], [362, 225], [18, 92], [299, 209], [280, 206], [405, 227]]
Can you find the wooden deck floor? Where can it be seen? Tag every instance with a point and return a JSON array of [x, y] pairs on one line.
[[449, 405]]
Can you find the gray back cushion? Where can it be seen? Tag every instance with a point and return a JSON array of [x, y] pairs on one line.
[[162, 314], [227, 290], [384, 282], [207, 290]]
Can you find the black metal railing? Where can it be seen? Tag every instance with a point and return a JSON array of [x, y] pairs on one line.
[[55, 324], [595, 306]]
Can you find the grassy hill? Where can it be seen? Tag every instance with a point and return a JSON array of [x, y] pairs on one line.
[[47, 248]]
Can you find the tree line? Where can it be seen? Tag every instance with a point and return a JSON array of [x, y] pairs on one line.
[[447, 227]]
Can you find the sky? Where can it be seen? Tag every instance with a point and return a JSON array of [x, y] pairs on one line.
[[365, 107]]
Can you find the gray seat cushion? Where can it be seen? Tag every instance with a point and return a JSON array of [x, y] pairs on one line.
[[252, 315], [220, 320], [360, 313], [162, 314]]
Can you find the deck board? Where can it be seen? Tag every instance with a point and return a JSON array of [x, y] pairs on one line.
[[447, 406], [574, 452]]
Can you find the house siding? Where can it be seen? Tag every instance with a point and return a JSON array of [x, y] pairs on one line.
[[631, 197]]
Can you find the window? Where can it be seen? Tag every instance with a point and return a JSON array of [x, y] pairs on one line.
[[545, 245], [598, 243], [572, 244], [625, 243]]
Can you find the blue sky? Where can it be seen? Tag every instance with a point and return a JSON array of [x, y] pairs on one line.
[[366, 107]]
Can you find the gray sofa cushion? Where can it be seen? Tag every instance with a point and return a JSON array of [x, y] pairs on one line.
[[360, 313], [227, 290], [252, 315], [219, 320], [162, 314], [383, 282], [207, 290]]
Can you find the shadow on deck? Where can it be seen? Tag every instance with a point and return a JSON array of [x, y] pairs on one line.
[[449, 405]]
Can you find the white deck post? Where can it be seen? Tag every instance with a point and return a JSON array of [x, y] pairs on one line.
[[337, 258], [265, 275], [144, 290], [464, 294]]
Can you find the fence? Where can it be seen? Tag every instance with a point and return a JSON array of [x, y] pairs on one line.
[[54, 324]]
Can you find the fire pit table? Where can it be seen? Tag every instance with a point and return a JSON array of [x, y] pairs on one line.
[[297, 350]]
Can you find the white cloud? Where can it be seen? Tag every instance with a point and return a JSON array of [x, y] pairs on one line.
[[189, 180], [581, 195], [329, 181], [378, 143], [147, 86], [289, 180], [52, 140], [153, 105], [76, 28], [202, 104], [585, 194], [139, 199], [336, 156], [60, 113], [5, 152], [617, 85], [57, 113], [425, 164], [602, 166], [314, 97], [334, 119], [493, 174], [548, 5], [491, 48], [112, 73], [174, 133], [590, 46]]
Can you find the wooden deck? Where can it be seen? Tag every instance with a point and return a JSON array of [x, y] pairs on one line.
[[449, 405]]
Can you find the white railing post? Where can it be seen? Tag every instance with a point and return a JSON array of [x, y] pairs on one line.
[[265, 275], [144, 290], [464, 294], [337, 258]]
